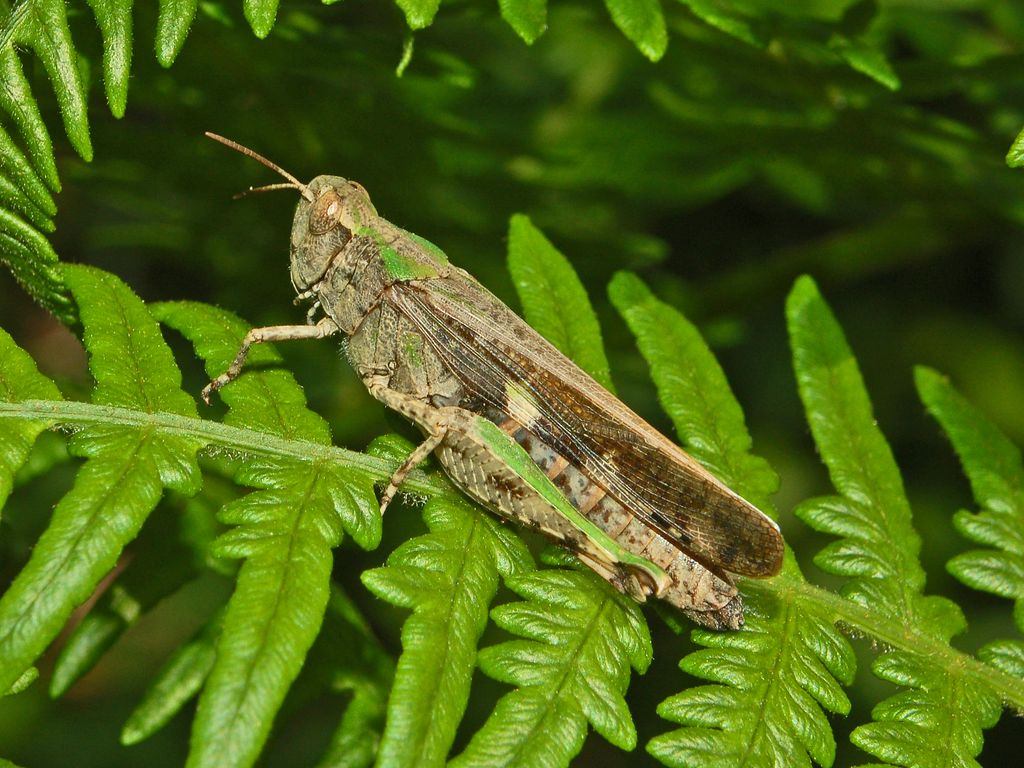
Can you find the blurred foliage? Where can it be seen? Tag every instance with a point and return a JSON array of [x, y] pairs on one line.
[[865, 143]]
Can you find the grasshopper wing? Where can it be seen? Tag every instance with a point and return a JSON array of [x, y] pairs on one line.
[[507, 367]]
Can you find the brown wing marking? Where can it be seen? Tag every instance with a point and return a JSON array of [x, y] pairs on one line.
[[487, 347]]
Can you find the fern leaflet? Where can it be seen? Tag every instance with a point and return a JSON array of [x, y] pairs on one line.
[[573, 667], [285, 531], [119, 484], [776, 675], [993, 465], [449, 578], [19, 380], [938, 719]]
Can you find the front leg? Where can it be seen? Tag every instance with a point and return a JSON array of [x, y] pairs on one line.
[[326, 327], [429, 419]]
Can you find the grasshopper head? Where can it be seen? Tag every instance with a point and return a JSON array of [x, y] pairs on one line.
[[330, 211]]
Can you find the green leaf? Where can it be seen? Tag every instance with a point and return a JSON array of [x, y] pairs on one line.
[[20, 205], [28, 677], [751, 716], [643, 23], [774, 677], [448, 578], [693, 390], [1015, 155], [938, 722], [285, 531], [939, 716], [32, 261], [529, 18], [115, 21], [120, 483], [581, 638], [993, 465], [1007, 655], [880, 545], [24, 178], [554, 301], [178, 681], [42, 26], [419, 14], [866, 59], [19, 380], [261, 15], [16, 100], [711, 13], [172, 27]]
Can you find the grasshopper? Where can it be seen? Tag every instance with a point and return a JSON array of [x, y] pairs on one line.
[[513, 422]]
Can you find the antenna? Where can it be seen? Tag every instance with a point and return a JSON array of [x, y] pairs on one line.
[[295, 183]]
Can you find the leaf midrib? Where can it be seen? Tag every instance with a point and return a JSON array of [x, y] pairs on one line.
[[213, 433]]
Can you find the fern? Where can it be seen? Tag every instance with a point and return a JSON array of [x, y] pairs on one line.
[[939, 718], [284, 530], [121, 481], [574, 644], [748, 716], [993, 465], [19, 380], [573, 667], [449, 578], [579, 639]]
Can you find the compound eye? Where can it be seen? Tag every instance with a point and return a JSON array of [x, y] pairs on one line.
[[326, 213]]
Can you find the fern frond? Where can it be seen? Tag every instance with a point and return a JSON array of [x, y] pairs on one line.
[[140, 434], [356, 665], [19, 380], [121, 481], [573, 667], [879, 547], [993, 465], [777, 675], [529, 18], [162, 562], [285, 531], [776, 680], [178, 681], [448, 577], [26, 210], [27, 207], [938, 721], [42, 27], [939, 718], [554, 300]]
